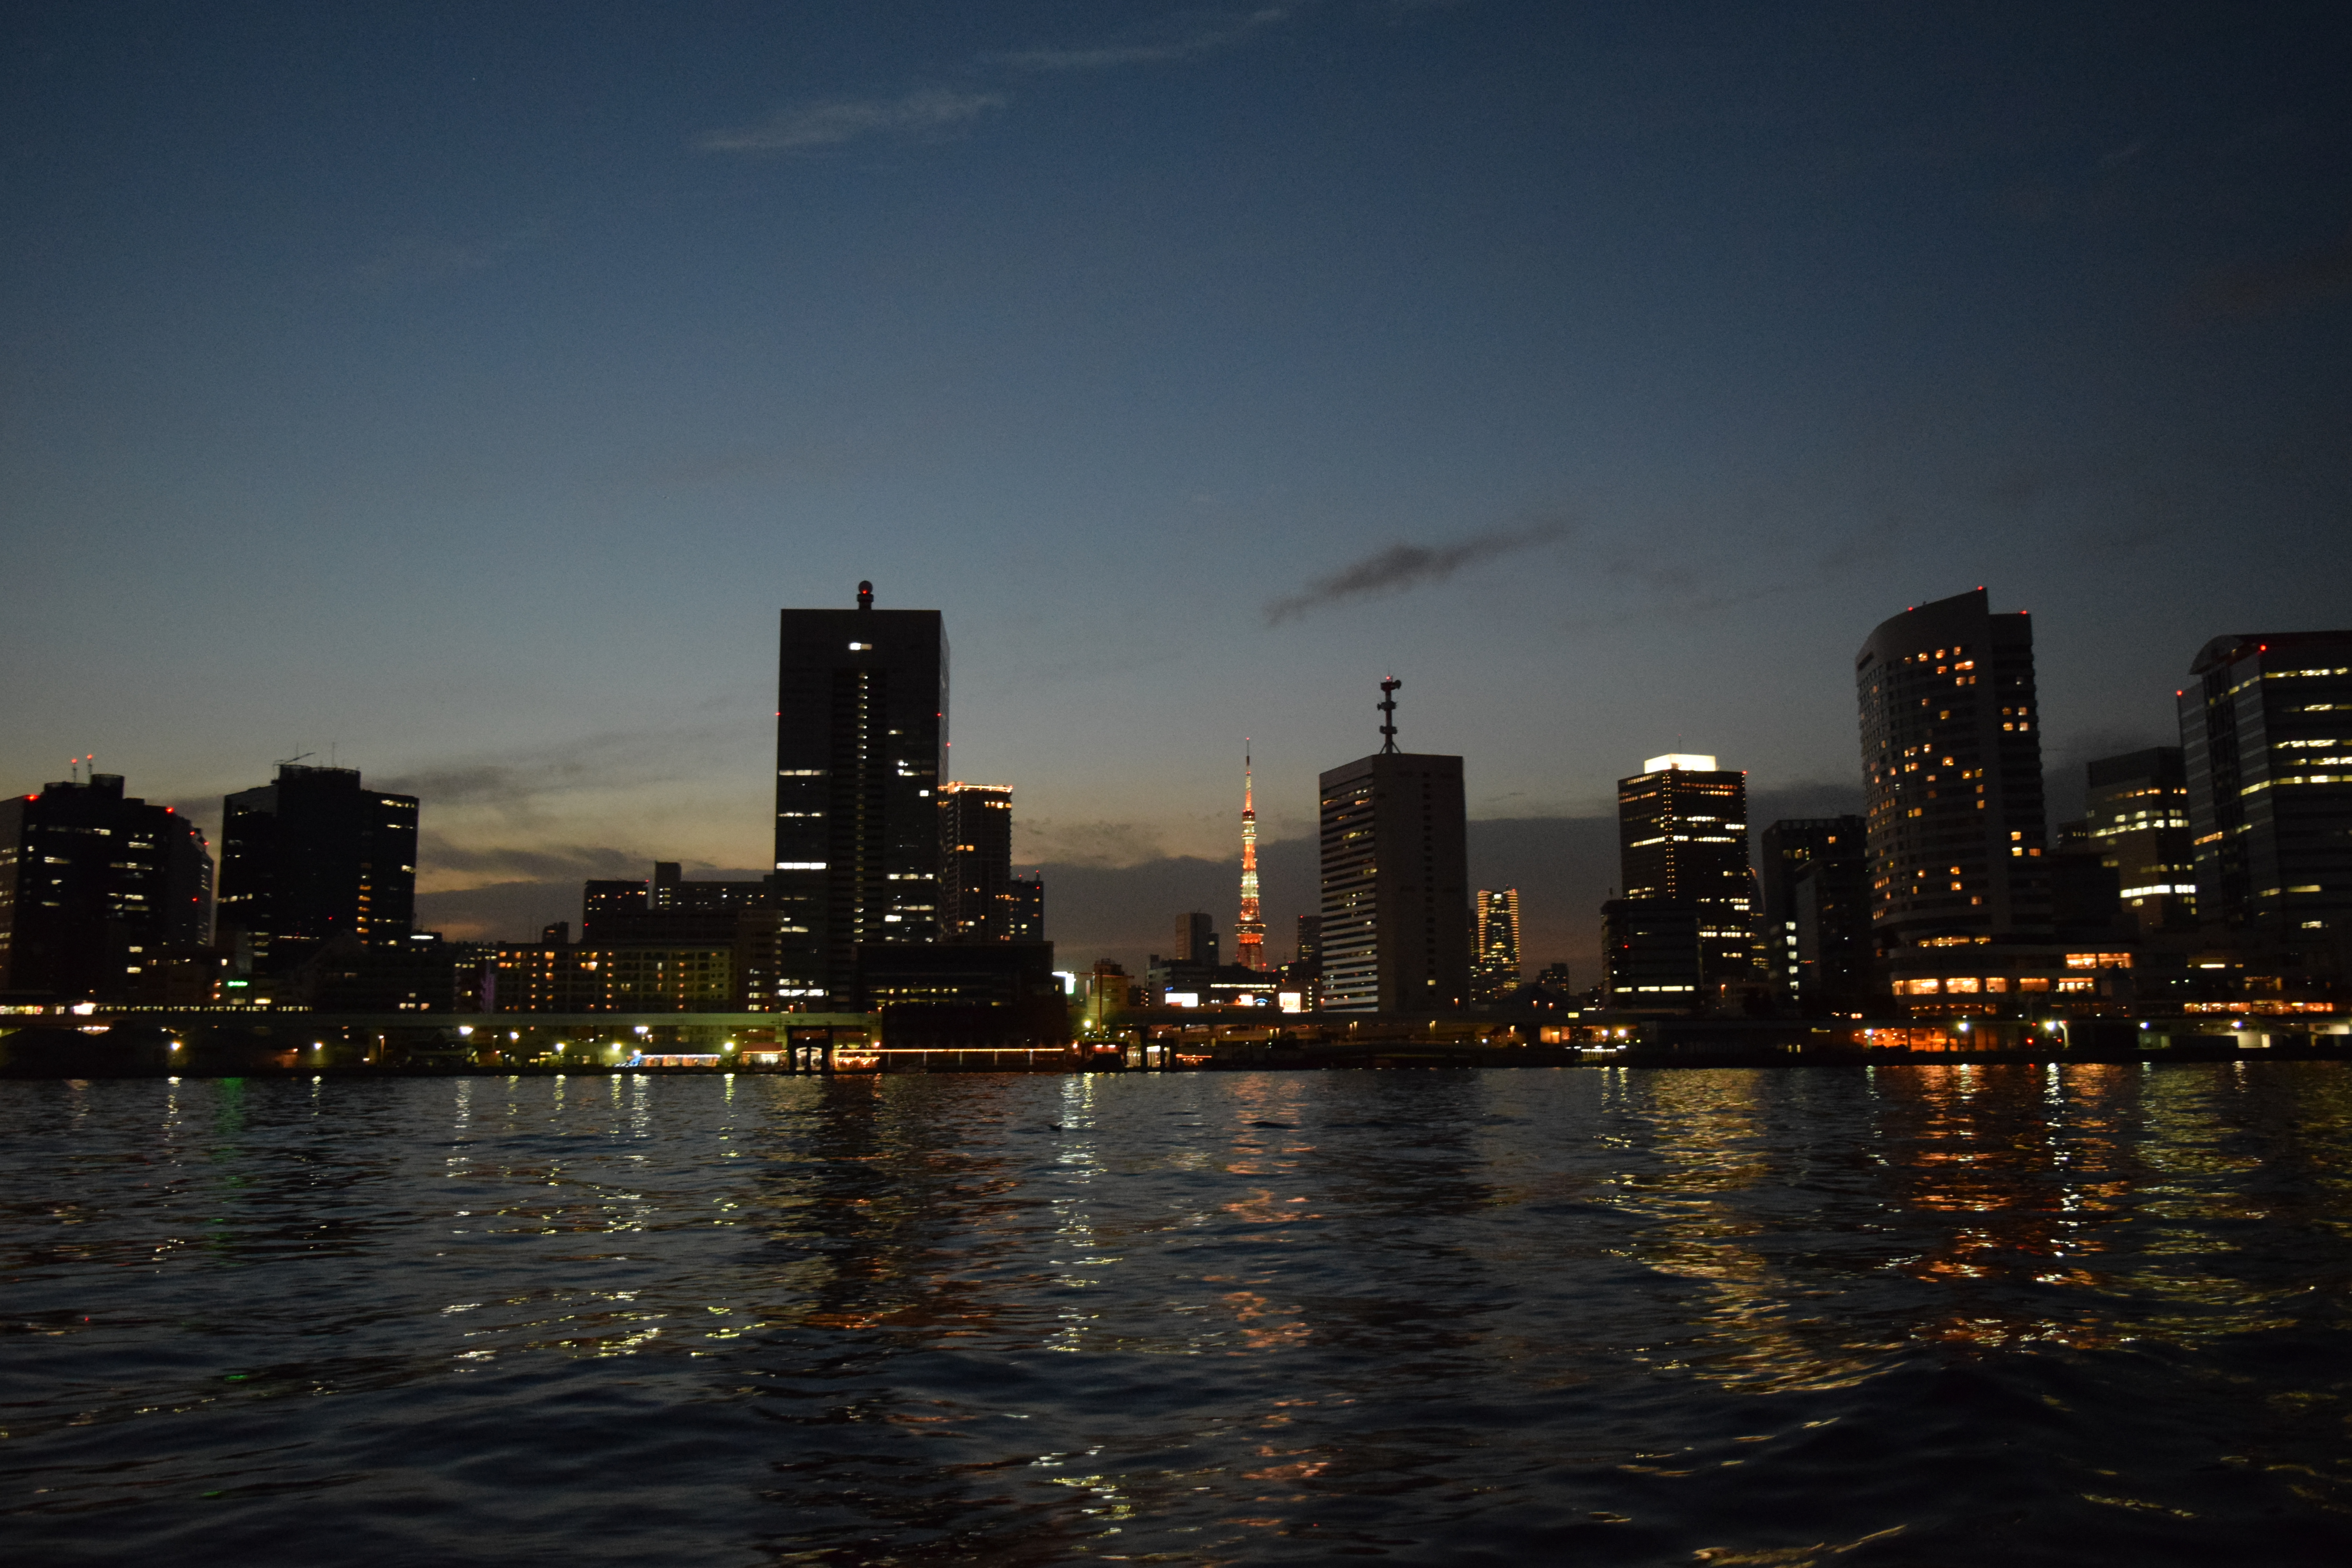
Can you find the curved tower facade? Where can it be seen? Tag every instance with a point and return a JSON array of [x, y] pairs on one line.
[[1951, 763]]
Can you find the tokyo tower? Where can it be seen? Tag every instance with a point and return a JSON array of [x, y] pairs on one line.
[[1249, 931]]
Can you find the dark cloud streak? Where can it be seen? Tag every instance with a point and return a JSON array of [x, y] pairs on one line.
[[1401, 567]]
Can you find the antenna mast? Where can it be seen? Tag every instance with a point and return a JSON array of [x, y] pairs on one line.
[[1388, 714]]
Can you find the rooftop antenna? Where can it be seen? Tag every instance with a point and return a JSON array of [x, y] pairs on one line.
[[1387, 706], [289, 762], [864, 595]]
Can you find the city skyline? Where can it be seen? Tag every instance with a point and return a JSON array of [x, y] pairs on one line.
[[469, 430], [1573, 863]]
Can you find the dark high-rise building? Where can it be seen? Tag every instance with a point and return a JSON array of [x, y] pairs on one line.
[[95, 888], [1816, 908], [2139, 823], [861, 731], [1196, 939], [1395, 882], [975, 862], [1027, 896], [610, 903], [669, 914], [670, 893], [2266, 738], [2085, 892], [1652, 954], [1304, 973], [990, 993], [313, 858], [1496, 943], [1951, 761], [1681, 836]]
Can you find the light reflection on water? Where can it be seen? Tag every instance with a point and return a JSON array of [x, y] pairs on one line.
[[1922, 1313]]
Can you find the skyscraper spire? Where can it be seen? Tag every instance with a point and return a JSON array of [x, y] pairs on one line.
[[1249, 931]]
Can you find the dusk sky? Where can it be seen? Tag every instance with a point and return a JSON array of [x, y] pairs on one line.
[[458, 392]]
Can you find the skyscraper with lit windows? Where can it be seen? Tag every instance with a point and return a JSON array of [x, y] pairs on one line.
[[95, 889], [314, 856], [1951, 761], [1815, 912], [1497, 945], [1395, 927], [861, 737], [1681, 837], [2266, 734], [2137, 816], [975, 862]]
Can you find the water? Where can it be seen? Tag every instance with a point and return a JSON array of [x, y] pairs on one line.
[[1917, 1315]]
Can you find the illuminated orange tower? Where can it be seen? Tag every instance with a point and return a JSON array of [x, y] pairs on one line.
[[1249, 931]]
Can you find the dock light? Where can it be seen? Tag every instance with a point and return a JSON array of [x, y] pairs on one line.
[[465, 1030]]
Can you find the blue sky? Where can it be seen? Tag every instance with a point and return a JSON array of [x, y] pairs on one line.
[[461, 389]]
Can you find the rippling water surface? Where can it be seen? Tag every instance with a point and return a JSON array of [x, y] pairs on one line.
[[2095, 1314]]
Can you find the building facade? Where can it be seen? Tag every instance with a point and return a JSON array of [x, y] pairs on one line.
[[1815, 916], [1496, 943], [1395, 887], [1951, 760], [2139, 821], [861, 737], [312, 857], [1196, 938], [1028, 895], [1653, 955], [556, 977], [2267, 744], [975, 862], [98, 889], [1681, 837], [988, 994]]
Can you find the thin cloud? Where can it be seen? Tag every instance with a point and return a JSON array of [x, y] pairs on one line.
[[1101, 844], [566, 863], [813, 127], [1177, 38], [1401, 567], [517, 783]]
